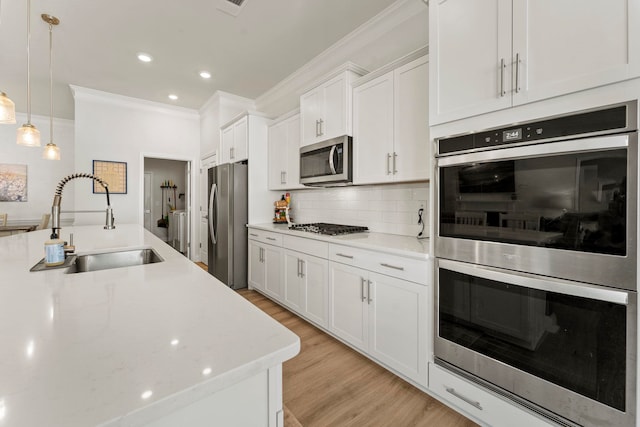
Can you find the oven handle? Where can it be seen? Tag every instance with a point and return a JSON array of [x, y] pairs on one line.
[[566, 287], [520, 152]]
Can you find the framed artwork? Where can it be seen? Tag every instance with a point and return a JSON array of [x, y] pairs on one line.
[[13, 183], [113, 173]]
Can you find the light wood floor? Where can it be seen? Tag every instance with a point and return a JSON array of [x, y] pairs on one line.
[[329, 384]]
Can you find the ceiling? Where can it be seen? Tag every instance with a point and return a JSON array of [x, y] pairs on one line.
[[97, 41]]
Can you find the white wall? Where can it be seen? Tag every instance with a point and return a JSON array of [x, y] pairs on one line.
[[119, 128], [42, 175], [383, 208]]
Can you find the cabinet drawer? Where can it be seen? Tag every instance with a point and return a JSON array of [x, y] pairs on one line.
[[478, 403], [307, 246], [392, 265], [265, 236]]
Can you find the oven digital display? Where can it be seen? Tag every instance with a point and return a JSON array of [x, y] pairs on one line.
[[512, 135]]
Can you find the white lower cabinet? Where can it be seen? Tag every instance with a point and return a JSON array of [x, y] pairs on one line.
[[264, 268], [478, 403], [381, 315], [305, 285]]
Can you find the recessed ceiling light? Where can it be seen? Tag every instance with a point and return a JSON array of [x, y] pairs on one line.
[[173, 97], [145, 57], [205, 74]]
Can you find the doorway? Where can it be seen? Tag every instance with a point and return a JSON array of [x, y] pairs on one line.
[[166, 201]]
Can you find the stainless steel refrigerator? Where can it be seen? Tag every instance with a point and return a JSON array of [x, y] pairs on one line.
[[227, 224]]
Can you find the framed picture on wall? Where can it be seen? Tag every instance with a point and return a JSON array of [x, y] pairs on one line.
[[113, 173], [13, 183]]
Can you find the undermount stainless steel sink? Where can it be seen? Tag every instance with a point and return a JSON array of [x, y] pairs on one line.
[[109, 260]]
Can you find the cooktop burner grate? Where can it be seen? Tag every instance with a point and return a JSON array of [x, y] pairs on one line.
[[328, 229]]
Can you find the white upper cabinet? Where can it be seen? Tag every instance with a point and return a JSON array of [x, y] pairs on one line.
[[571, 45], [284, 154], [495, 54], [326, 109], [390, 124], [234, 141]]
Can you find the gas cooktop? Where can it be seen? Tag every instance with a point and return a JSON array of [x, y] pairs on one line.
[[329, 229]]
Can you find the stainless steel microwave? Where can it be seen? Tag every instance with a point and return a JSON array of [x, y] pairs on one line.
[[327, 163]]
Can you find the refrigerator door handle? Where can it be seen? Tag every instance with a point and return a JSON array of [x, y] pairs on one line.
[[212, 216]]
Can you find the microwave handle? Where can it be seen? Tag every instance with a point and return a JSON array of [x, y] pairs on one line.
[[331, 164]]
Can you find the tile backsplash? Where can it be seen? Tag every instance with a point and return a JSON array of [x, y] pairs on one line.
[[389, 208]]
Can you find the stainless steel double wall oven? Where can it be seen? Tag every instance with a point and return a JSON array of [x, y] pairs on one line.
[[537, 263]]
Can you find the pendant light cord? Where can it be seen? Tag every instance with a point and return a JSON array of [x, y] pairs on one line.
[[50, 83], [28, 62]]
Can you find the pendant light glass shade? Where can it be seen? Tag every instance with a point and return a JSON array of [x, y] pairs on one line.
[[51, 150], [7, 109], [28, 135]]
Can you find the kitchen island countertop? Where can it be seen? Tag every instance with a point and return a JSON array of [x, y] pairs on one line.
[[125, 346], [406, 246]]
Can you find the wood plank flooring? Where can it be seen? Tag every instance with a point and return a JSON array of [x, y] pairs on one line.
[[329, 384]]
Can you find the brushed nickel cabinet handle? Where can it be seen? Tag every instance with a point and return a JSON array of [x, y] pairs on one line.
[[463, 398], [321, 126], [254, 235], [392, 266], [317, 127], [395, 156], [298, 272], [271, 238], [284, 173], [362, 281], [502, 67], [369, 299], [344, 256], [517, 73], [388, 161], [302, 269]]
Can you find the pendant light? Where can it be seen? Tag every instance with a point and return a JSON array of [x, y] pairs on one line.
[[51, 150], [7, 109], [28, 135]]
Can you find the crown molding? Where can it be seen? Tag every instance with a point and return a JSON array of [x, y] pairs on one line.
[[219, 96], [341, 51], [285, 116], [83, 93], [412, 56]]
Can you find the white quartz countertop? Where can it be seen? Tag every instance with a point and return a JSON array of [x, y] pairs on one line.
[[83, 349], [407, 246]]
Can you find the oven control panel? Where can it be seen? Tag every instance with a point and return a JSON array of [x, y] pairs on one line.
[[574, 125]]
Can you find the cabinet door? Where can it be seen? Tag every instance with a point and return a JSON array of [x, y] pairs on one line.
[[240, 140], [277, 154], [314, 275], [398, 325], [227, 145], [256, 266], [335, 110], [348, 310], [571, 45], [273, 278], [373, 131], [293, 284], [310, 115], [292, 170], [470, 58], [411, 159]]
